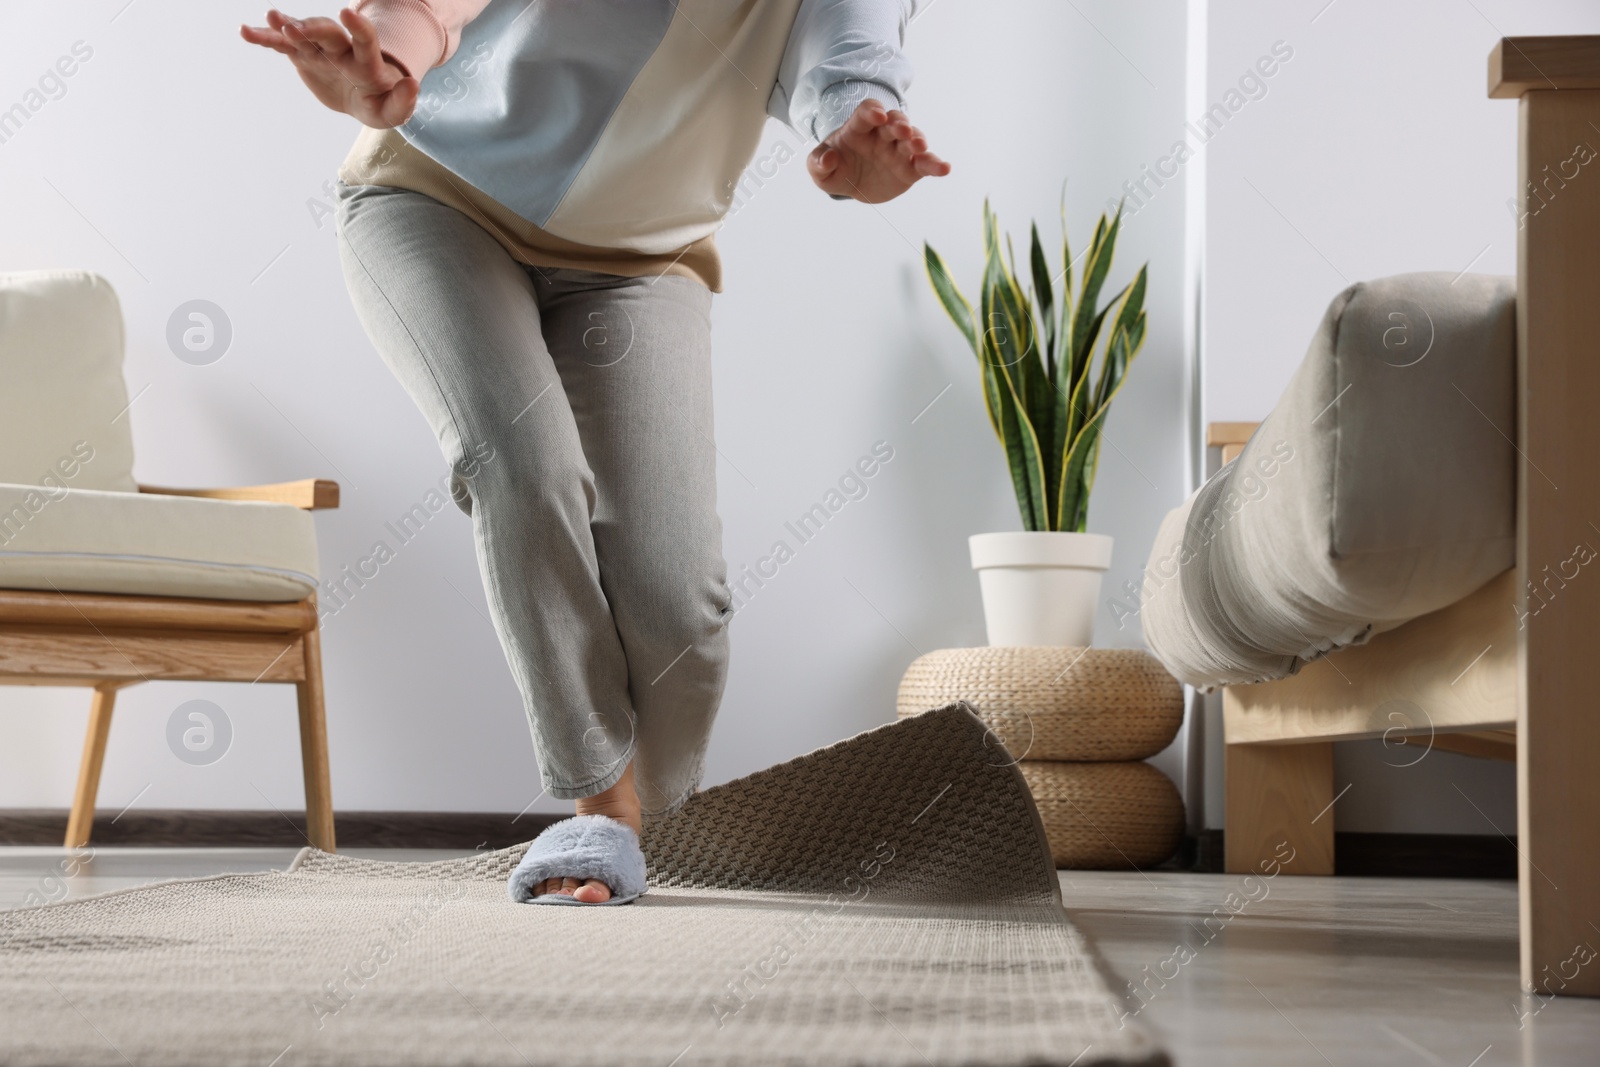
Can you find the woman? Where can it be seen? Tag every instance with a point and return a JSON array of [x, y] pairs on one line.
[[532, 205]]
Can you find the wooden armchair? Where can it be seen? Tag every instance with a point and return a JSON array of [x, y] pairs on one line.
[[105, 583], [1490, 686]]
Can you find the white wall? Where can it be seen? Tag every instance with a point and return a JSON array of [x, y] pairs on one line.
[[183, 164], [1374, 151]]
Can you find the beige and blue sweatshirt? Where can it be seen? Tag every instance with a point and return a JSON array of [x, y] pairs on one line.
[[611, 135]]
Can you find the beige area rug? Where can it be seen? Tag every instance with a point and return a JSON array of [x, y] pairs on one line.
[[887, 900]]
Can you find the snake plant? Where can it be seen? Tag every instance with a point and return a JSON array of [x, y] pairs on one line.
[[1045, 401]]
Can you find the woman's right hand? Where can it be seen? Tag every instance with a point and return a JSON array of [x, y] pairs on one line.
[[347, 72]]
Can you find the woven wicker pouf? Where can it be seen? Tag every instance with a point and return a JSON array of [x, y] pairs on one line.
[[1055, 703], [1078, 721], [1106, 816]]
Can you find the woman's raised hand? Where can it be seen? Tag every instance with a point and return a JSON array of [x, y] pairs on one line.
[[346, 71], [875, 156]]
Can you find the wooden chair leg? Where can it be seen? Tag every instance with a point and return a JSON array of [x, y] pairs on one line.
[[314, 746], [1278, 804], [80, 824]]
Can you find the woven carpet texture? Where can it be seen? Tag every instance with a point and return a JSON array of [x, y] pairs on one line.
[[887, 900]]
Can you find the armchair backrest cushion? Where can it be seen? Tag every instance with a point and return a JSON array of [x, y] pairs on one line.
[[64, 421]]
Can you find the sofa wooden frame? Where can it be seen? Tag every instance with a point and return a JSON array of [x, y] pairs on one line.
[[1486, 675], [107, 642]]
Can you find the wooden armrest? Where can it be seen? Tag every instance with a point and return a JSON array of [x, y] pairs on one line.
[[1231, 437], [1223, 434], [1520, 64], [309, 493]]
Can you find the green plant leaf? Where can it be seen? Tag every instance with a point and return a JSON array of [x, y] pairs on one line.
[[1132, 303], [960, 312], [991, 397], [1035, 518], [1127, 343], [955, 305], [999, 352], [1046, 295], [1017, 342], [1015, 436], [1084, 455], [1075, 500], [993, 386], [1044, 403], [1136, 336], [1021, 445], [1060, 429], [1066, 276], [1079, 414], [1112, 368], [1124, 345], [1014, 313], [1061, 374], [1009, 340], [1079, 407], [1080, 521], [1086, 323], [1133, 299]]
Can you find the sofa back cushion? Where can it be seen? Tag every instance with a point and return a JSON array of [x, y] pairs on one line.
[[1381, 487], [63, 404]]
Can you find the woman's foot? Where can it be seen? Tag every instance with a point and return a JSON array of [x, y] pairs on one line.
[[620, 802]]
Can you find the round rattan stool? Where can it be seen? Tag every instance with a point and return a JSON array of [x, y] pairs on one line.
[[1106, 816], [1051, 703]]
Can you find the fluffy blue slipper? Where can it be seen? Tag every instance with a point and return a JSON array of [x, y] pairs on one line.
[[582, 847]]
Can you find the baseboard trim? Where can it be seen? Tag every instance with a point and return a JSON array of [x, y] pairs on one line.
[[271, 829], [1366, 855], [1424, 856], [1359, 855]]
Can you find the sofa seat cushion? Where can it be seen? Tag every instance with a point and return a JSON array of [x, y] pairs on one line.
[[94, 541]]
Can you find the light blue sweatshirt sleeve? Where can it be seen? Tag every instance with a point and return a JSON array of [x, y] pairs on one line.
[[840, 53]]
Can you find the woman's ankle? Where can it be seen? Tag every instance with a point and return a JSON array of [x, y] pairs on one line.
[[620, 802], [620, 814]]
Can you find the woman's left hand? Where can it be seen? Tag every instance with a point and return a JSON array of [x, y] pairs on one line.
[[875, 156]]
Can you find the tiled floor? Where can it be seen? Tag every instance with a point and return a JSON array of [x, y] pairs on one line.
[[1349, 971]]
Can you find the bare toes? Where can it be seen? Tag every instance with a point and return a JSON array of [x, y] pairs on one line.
[[593, 891]]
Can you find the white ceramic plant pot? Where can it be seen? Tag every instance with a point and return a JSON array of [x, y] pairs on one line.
[[1040, 588]]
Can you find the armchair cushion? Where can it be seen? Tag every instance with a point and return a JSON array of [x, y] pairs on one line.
[[92, 541], [63, 403]]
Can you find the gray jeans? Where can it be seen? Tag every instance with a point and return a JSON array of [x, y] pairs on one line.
[[575, 411]]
